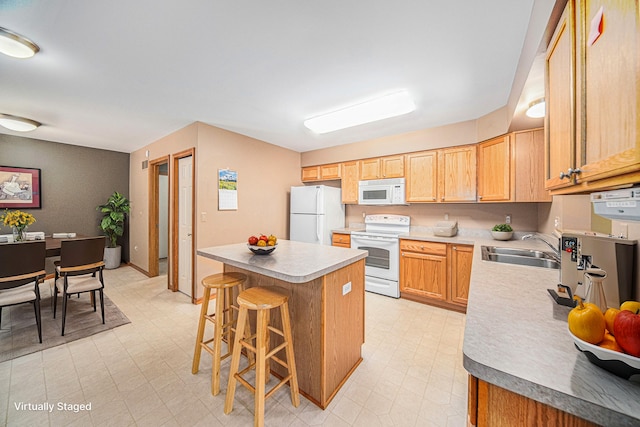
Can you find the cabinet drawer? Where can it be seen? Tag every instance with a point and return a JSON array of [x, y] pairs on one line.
[[339, 239], [419, 246]]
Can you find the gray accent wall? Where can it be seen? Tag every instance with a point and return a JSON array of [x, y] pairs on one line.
[[74, 181]]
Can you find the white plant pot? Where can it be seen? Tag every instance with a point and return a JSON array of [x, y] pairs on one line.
[[112, 257], [501, 235]]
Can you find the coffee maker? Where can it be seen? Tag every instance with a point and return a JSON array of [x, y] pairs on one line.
[[584, 251]]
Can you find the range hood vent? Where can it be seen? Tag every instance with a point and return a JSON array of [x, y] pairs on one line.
[[621, 204]]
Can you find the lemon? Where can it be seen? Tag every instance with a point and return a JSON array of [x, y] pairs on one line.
[[261, 243]]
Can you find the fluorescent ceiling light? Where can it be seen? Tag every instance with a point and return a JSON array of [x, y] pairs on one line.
[[380, 108], [15, 45], [18, 124], [536, 109]]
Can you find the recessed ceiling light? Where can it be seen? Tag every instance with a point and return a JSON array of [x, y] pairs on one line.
[[15, 45], [536, 109], [18, 124], [376, 109]]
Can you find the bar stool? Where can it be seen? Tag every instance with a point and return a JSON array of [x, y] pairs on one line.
[[222, 318], [262, 300]]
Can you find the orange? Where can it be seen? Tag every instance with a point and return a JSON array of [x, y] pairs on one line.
[[609, 342], [609, 317]]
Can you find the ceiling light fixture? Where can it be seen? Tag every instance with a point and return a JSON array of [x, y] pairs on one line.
[[384, 107], [15, 45], [18, 124], [536, 109]]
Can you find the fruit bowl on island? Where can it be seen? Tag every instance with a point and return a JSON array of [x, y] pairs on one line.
[[261, 250], [262, 244]]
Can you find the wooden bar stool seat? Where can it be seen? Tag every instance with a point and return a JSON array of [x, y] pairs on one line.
[[262, 300], [223, 319]]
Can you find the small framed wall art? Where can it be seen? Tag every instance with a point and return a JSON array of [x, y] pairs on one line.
[[20, 188]]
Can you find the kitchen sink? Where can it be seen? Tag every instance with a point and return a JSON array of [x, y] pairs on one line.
[[528, 257]]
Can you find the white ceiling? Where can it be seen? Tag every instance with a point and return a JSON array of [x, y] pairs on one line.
[[121, 74]]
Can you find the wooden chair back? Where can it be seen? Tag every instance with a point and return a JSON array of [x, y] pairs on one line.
[[22, 259], [82, 252]]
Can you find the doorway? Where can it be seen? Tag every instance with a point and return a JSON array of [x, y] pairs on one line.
[[183, 225], [159, 217]]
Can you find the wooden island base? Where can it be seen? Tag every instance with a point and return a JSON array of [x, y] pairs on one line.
[[327, 326]]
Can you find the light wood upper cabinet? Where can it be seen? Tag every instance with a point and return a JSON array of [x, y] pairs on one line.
[[350, 178], [331, 171], [382, 167], [457, 174], [422, 177], [311, 173], [593, 87], [322, 172], [609, 72], [560, 102], [392, 166], [528, 162], [495, 170]]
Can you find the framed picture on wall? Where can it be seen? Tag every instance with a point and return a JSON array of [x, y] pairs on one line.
[[20, 188]]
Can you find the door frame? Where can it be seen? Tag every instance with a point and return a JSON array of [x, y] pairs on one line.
[[173, 285], [154, 214]]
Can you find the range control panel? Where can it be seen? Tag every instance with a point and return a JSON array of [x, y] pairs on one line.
[[570, 245]]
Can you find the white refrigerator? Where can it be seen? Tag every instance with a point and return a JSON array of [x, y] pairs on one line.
[[315, 211]]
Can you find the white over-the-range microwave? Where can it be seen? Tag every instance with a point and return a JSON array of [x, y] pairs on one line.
[[382, 192]]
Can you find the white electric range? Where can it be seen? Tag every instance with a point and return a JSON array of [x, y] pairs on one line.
[[381, 239]]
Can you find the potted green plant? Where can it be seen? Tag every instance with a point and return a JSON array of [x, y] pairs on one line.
[[112, 224], [502, 232]]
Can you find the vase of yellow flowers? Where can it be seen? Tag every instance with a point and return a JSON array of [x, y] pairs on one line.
[[18, 221]]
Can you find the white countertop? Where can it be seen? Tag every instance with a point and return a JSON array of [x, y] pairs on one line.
[[294, 262]]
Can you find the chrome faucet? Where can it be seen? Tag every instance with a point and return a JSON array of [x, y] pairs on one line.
[[555, 250]]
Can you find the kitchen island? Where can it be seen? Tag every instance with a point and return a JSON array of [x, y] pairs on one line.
[[326, 304]]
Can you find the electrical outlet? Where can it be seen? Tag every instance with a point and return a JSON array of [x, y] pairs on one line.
[[507, 219], [446, 217], [346, 288], [203, 216]]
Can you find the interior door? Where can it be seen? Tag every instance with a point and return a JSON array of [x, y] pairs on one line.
[[185, 226]]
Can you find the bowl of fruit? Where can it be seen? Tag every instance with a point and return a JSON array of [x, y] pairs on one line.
[[262, 244], [610, 340]]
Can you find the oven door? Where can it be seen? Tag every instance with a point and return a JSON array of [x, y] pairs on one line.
[[383, 259]]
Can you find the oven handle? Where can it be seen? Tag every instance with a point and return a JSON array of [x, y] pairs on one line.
[[374, 239]]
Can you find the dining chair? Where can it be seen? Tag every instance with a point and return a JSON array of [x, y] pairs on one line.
[[21, 270], [79, 270]]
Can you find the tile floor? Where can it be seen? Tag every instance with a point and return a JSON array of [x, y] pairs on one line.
[[140, 374]]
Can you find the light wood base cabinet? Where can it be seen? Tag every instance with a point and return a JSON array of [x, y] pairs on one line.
[[435, 273], [342, 240], [493, 406]]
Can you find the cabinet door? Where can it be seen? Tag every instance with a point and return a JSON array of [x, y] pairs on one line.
[[422, 176], [457, 174], [609, 72], [311, 173], [350, 178], [341, 239], [528, 155], [494, 170], [460, 262], [392, 167], [424, 275], [560, 102], [331, 171], [370, 168]]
